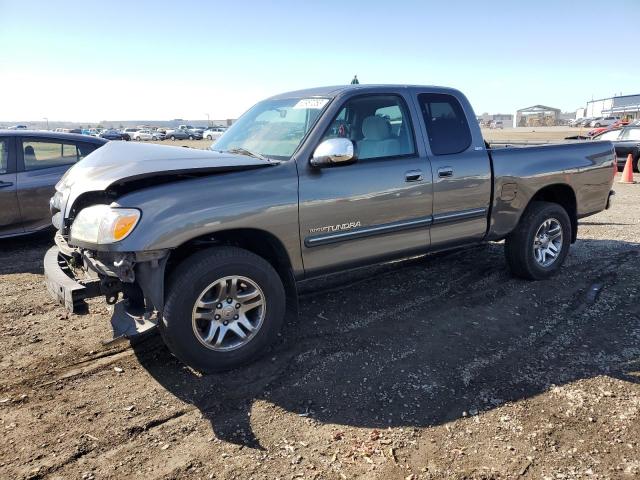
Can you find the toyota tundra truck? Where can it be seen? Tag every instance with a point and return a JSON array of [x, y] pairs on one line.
[[209, 245]]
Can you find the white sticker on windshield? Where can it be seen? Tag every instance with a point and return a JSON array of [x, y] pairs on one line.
[[313, 103]]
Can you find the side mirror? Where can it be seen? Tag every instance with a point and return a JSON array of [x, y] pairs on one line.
[[333, 151]]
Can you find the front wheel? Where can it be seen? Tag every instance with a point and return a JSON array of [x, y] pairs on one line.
[[224, 306], [173, 137], [539, 245]]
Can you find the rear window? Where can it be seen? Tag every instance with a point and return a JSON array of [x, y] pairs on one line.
[[446, 123]]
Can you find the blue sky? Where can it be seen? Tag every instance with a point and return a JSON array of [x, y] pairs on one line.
[[85, 61]]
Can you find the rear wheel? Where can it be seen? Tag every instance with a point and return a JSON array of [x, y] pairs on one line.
[[224, 306], [539, 245], [190, 137], [173, 137]]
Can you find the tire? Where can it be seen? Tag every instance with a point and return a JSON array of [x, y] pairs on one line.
[[597, 125], [173, 138], [196, 275], [209, 137], [190, 137], [519, 245]]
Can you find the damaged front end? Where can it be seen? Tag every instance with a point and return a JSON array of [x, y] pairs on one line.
[[131, 282]]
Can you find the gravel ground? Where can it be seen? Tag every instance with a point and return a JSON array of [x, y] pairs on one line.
[[434, 367]]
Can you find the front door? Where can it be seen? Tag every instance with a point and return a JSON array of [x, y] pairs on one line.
[[461, 172], [10, 222], [41, 162], [375, 208]]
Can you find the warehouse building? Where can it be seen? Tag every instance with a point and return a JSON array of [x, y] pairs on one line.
[[624, 106], [537, 116]]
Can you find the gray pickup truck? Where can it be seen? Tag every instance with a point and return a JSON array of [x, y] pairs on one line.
[[209, 245]]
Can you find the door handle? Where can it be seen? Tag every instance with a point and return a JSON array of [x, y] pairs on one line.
[[5, 184], [445, 172], [413, 176]]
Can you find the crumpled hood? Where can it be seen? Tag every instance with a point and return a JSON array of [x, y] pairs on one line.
[[117, 162]]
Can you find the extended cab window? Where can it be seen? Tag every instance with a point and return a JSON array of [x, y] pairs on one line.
[[446, 123], [44, 154], [379, 125]]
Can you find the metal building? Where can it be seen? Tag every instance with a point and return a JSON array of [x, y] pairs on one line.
[[624, 106], [536, 116]]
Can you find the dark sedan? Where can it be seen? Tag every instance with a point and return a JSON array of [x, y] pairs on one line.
[[114, 135], [626, 141], [31, 163], [183, 135]]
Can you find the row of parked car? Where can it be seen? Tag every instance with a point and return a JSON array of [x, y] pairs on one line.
[[182, 132]]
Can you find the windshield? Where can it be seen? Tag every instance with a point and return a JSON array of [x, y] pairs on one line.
[[272, 128]]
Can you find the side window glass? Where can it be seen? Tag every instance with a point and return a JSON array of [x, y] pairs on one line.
[[379, 125], [446, 123], [4, 156], [631, 134], [40, 154], [85, 149], [612, 135]]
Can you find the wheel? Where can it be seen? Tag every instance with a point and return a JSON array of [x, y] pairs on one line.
[[173, 137], [635, 164], [190, 137], [538, 246], [209, 137], [597, 125], [224, 305]]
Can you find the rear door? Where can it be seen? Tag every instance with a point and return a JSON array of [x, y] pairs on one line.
[[41, 163], [10, 222], [461, 170]]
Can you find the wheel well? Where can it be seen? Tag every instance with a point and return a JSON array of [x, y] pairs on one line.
[[563, 195], [260, 242]]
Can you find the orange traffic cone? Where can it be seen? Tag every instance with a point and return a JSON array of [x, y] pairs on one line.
[[627, 173]]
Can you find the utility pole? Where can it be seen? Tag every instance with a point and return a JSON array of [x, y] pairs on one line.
[[45, 118], [208, 120]]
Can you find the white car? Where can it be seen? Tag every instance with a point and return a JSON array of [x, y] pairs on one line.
[[496, 124], [213, 133], [603, 121], [575, 122], [142, 135]]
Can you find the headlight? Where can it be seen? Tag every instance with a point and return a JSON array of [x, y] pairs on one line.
[[102, 224]]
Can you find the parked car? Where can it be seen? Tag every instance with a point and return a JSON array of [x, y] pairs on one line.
[[584, 122], [31, 163], [304, 184], [575, 122], [213, 133], [17, 127], [617, 124], [113, 134], [496, 124], [142, 135], [625, 141], [158, 134], [603, 121], [179, 134], [127, 133]]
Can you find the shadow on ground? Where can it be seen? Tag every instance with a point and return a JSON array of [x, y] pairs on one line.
[[25, 254], [419, 342]]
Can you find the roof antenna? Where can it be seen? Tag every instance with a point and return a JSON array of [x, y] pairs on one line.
[[355, 80]]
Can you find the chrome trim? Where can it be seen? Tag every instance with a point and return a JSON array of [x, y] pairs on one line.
[[363, 232], [458, 216]]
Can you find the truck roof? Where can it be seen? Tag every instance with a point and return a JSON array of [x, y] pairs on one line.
[[335, 90]]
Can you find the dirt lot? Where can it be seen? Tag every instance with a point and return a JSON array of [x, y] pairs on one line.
[[434, 367]]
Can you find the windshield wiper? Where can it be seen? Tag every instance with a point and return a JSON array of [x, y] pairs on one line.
[[244, 151]]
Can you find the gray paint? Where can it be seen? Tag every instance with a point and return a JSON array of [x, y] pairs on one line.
[[291, 198]]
